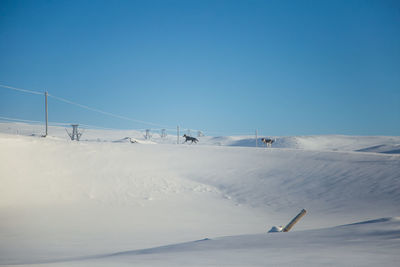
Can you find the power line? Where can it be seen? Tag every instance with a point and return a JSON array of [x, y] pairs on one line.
[[84, 106], [41, 122], [19, 120], [68, 124], [21, 90], [168, 128], [81, 124], [103, 112], [89, 126]]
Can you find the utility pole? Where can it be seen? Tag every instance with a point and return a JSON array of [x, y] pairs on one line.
[[47, 116], [148, 135], [177, 134], [163, 133], [256, 138], [75, 134]]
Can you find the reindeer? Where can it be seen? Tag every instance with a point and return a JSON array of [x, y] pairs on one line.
[[267, 141], [189, 138]]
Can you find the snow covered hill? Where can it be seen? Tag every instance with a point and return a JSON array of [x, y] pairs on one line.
[[374, 144], [106, 201]]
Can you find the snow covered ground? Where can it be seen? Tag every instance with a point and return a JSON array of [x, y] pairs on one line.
[[107, 202]]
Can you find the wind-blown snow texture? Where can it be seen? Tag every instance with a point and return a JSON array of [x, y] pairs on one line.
[[108, 202]]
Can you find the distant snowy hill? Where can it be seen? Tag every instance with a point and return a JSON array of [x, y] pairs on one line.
[[374, 144], [116, 199]]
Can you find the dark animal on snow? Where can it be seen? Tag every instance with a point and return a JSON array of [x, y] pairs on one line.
[[267, 141], [189, 138]]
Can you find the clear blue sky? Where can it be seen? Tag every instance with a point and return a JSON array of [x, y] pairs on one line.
[[226, 67]]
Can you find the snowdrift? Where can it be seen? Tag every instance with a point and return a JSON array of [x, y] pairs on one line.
[[300, 248]]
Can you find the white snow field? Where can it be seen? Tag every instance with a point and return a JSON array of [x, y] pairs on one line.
[[105, 201]]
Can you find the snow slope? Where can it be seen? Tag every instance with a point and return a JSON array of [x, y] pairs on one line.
[[369, 243], [96, 203]]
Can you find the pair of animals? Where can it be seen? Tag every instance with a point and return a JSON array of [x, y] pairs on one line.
[[266, 141]]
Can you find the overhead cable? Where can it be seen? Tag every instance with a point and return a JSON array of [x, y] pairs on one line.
[[103, 112], [21, 90], [82, 106]]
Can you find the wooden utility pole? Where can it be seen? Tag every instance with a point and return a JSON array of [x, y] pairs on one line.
[[256, 138], [177, 134], [294, 221], [148, 135], [47, 116], [163, 133]]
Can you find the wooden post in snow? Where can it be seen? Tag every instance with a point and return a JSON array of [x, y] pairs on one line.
[[46, 113], [177, 134], [294, 221], [256, 138]]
